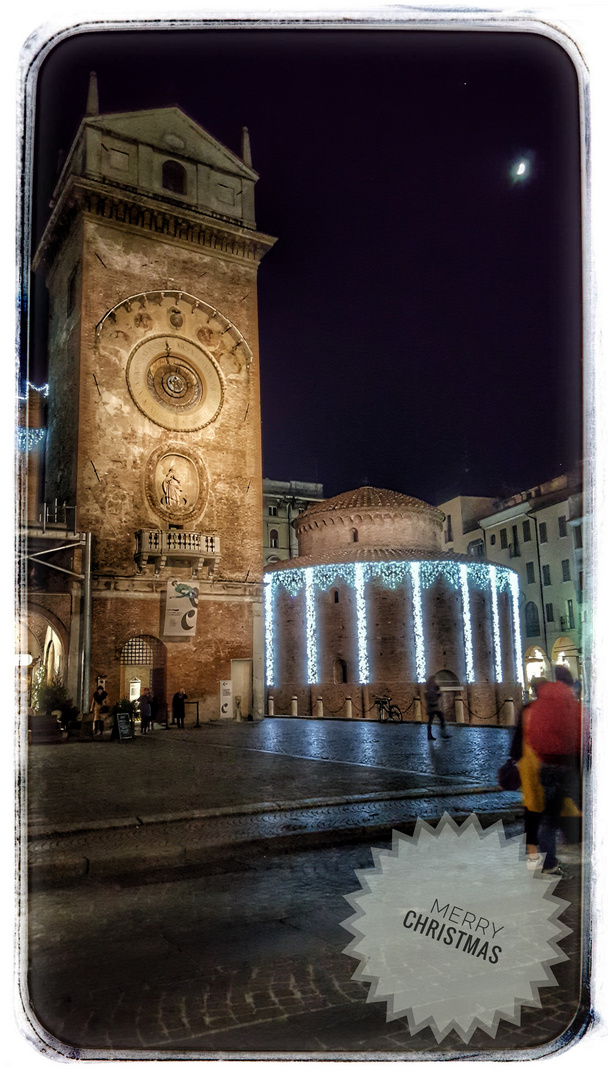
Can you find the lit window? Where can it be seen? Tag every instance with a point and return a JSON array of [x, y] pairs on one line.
[[546, 575], [542, 532], [562, 526], [530, 572], [565, 569]]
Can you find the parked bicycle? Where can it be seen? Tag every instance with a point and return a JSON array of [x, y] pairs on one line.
[[386, 711]]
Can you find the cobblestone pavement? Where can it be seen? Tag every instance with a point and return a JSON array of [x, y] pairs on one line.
[[243, 957], [221, 765], [102, 808]]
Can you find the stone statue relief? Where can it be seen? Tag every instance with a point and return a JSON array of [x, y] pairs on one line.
[[176, 485], [172, 492]]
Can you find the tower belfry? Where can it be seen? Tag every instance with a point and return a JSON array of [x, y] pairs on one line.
[[151, 257]]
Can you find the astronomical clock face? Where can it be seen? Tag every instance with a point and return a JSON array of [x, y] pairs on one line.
[[175, 383]]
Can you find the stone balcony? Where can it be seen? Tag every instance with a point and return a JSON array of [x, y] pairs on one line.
[[177, 547]]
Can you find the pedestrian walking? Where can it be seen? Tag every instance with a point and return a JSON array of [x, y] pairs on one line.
[[145, 710], [97, 704], [178, 707], [432, 697], [554, 733], [528, 765]]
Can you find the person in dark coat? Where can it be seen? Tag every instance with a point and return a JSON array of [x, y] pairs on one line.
[[178, 707], [432, 695], [97, 704], [145, 710]]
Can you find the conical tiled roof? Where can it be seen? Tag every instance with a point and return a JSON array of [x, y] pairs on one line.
[[370, 498]]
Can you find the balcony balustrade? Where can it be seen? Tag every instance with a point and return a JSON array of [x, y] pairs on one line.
[[173, 546]]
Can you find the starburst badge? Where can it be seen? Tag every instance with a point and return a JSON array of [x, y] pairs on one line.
[[453, 931]]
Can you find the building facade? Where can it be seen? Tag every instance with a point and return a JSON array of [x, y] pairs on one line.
[[154, 436], [283, 501], [539, 533], [373, 606]]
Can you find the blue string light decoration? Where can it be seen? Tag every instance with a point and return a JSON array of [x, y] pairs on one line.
[[496, 625], [269, 590], [466, 623], [418, 622], [392, 574], [360, 576], [519, 664], [28, 438], [311, 628]]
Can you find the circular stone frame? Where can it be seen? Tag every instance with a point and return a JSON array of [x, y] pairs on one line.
[[150, 384], [188, 514]]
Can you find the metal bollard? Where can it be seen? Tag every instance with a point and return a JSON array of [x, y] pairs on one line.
[[459, 710], [417, 711], [348, 708], [319, 707], [294, 705], [270, 705]]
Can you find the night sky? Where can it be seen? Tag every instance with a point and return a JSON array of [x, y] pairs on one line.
[[420, 313]]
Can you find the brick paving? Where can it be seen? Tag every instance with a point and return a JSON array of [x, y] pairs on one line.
[[244, 958]]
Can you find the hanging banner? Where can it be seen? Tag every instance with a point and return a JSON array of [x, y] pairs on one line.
[[181, 610]]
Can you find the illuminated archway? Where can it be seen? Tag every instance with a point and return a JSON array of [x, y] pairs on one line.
[[536, 665], [566, 653]]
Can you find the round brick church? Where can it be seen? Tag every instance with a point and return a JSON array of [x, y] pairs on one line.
[[372, 607]]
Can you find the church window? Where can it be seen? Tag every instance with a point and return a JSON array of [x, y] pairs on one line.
[[336, 596], [354, 535], [274, 538], [174, 177], [532, 620]]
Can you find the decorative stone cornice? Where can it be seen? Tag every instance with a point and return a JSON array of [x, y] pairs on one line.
[[124, 206]]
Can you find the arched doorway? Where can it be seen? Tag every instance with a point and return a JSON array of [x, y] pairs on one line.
[[565, 652], [43, 650], [143, 663], [450, 685], [536, 665]]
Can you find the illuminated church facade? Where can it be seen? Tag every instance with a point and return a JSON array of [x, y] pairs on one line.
[[372, 606]]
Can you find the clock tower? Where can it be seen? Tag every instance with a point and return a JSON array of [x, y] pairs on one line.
[[151, 257]]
